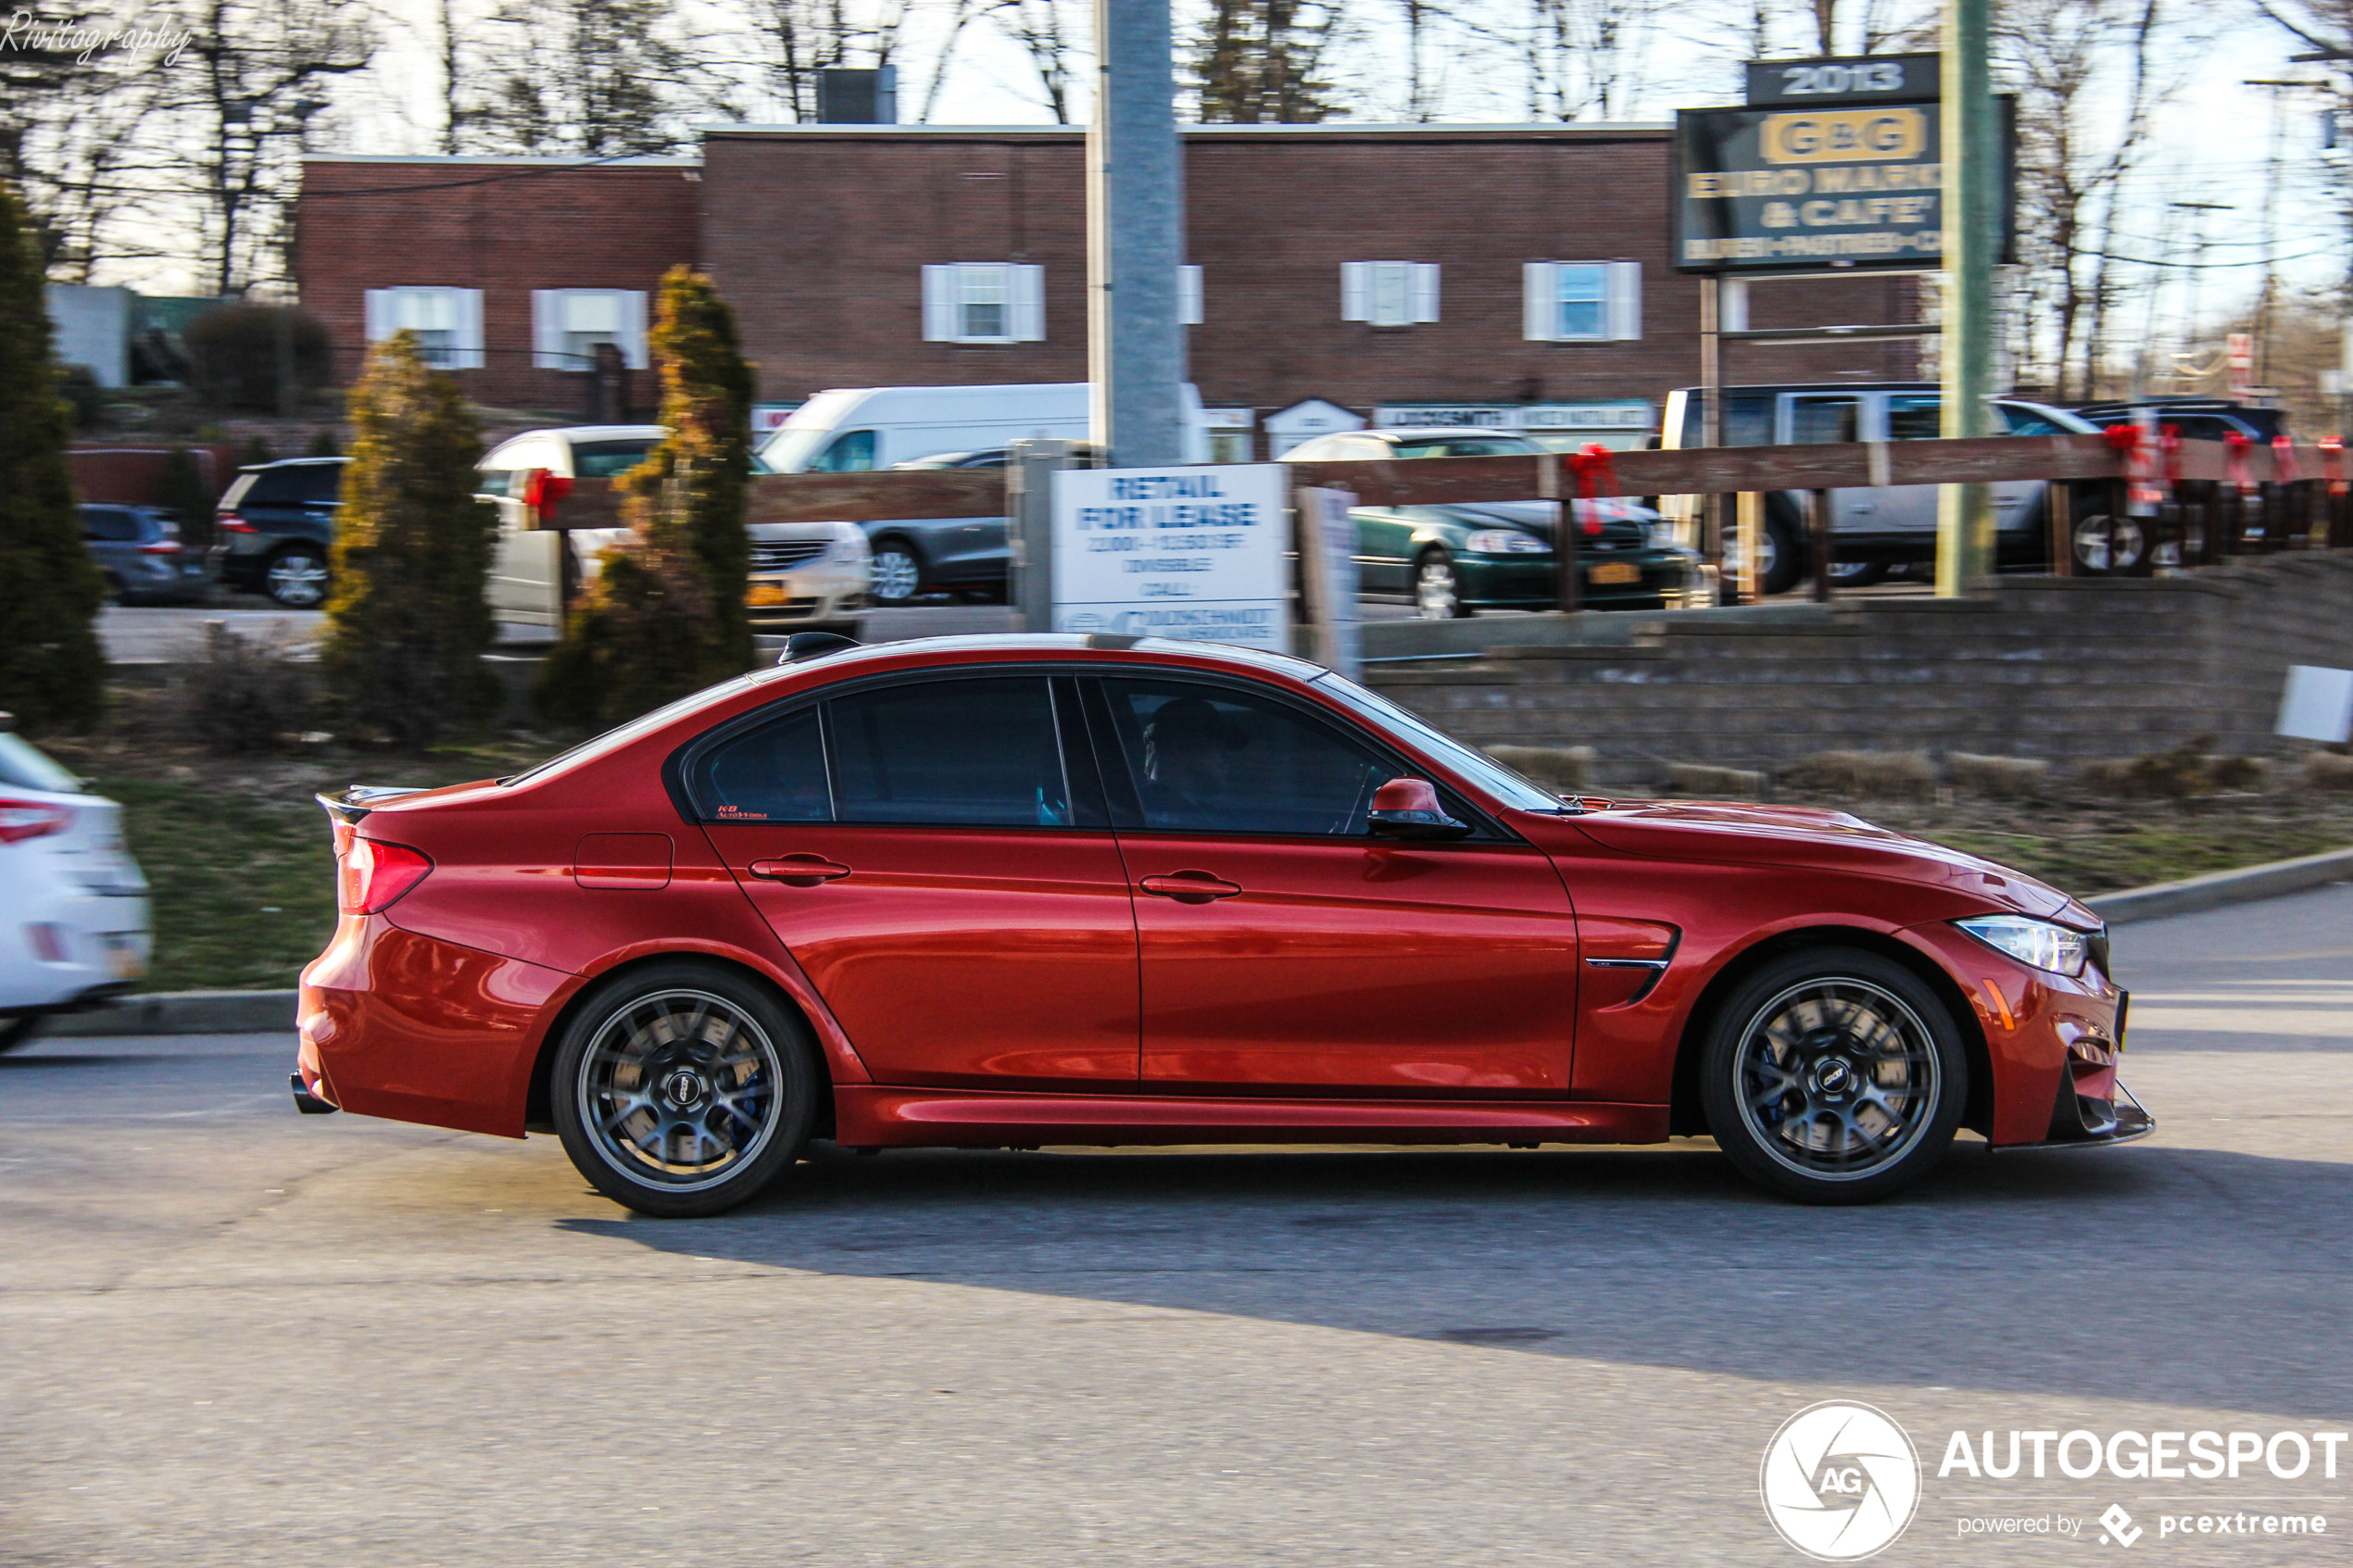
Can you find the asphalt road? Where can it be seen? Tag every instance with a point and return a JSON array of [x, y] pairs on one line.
[[234, 1336]]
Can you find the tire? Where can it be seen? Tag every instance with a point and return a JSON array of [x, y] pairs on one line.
[[296, 578], [1826, 1053], [2105, 544], [1857, 573], [1438, 591], [1782, 549], [649, 1058], [898, 572], [18, 1031]]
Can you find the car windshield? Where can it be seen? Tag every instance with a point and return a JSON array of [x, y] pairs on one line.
[[1477, 766], [22, 767], [294, 483], [1467, 447]]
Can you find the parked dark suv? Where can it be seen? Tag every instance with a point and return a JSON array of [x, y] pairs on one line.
[[275, 524]]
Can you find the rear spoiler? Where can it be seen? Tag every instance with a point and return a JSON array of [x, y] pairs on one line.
[[351, 805]]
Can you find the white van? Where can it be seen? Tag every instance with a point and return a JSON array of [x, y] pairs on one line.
[[852, 430]]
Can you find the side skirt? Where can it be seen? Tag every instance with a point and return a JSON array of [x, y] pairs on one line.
[[875, 1116]]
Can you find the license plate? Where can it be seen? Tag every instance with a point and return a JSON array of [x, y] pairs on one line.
[[764, 594], [123, 958], [1613, 571]]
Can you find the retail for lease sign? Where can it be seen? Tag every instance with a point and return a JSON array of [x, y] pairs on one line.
[[1794, 189], [1195, 553]]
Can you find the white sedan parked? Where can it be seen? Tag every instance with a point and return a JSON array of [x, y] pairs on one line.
[[73, 907]]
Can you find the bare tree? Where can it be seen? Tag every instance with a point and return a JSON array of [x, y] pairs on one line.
[[800, 38], [1588, 57], [595, 77], [1260, 62], [1045, 32]]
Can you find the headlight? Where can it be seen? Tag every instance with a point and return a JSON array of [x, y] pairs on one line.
[[1505, 542], [2036, 943], [849, 542], [1665, 536]]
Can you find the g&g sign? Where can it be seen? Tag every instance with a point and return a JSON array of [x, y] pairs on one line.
[[1195, 553]]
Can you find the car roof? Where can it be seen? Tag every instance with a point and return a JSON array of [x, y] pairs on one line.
[[289, 463], [576, 433], [988, 648]]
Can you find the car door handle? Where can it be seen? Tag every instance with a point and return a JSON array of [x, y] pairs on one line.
[[1189, 887], [799, 871]]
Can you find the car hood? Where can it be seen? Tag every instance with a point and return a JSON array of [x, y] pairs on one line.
[[1817, 839]]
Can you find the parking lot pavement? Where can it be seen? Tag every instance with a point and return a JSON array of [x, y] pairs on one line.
[[237, 1336]]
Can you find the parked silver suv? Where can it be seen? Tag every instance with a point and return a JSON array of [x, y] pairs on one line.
[[1871, 528]]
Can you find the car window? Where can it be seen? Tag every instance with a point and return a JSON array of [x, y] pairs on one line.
[[1748, 420], [776, 773], [297, 485], [1815, 421], [850, 452], [109, 525], [22, 767], [605, 460], [1466, 447], [1511, 788], [2026, 422], [236, 490], [1915, 416], [981, 752], [1212, 758], [495, 481]]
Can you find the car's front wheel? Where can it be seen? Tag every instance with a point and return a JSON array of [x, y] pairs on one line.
[[1834, 1075], [1438, 589], [298, 578], [17, 1031], [683, 1088], [898, 572]]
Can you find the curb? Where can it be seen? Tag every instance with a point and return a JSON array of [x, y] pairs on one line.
[[2217, 889], [179, 1012]]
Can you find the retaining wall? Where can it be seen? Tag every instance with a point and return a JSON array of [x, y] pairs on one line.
[[2063, 669]]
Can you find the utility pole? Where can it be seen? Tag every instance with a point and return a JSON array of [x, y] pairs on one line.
[[2265, 307], [2187, 354], [1972, 236], [1134, 240]]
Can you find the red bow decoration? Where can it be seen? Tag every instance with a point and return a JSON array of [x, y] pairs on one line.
[[2130, 442], [2284, 468], [1596, 473], [2333, 463], [2236, 446]]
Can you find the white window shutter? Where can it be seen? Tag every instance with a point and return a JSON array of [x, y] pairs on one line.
[[1356, 290], [1425, 280], [1189, 296], [468, 346], [548, 331], [381, 315], [1540, 304], [633, 329], [1026, 316], [939, 304], [1625, 301]]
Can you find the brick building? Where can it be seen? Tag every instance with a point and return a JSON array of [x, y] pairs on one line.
[[1511, 274]]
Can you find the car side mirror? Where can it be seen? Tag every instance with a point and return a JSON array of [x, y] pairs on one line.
[[1409, 809]]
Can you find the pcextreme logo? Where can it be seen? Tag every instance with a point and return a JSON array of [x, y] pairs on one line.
[[1840, 1481]]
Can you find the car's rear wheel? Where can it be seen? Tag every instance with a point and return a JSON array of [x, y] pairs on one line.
[[1834, 1075], [296, 578], [1437, 590], [2107, 544], [897, 572], [684, 1088]]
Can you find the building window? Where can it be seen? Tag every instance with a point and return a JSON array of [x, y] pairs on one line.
[[1189, 296], [447, 322], [1388, 294], [984, 302], [1583, 301], [568, 324]]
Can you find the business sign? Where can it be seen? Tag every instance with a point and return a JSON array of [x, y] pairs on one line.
[[1193, 553], [1634, 414], [1861, 78], [1795, 190]]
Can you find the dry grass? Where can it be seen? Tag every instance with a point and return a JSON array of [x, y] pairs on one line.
[[2004, 778], [1713, 782], [2329, 770], [1878, 775]]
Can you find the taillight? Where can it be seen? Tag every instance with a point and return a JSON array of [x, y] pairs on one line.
[[372, 876], [20, 819], [229, 523], [161, 548]]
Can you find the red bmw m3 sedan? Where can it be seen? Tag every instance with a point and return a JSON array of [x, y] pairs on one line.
[[1001, 891]]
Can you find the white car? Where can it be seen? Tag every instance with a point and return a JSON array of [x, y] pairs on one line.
[[805, 576], [73, 907]]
